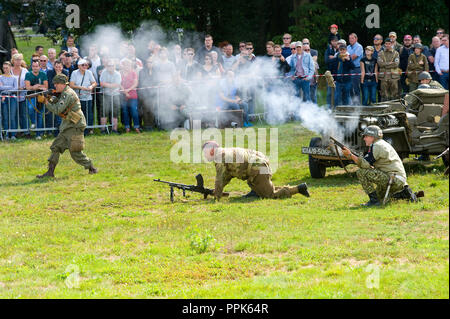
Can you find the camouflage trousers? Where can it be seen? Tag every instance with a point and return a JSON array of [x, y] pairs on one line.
[[370, 177], [66, 140], [389, 89], [262, 185]]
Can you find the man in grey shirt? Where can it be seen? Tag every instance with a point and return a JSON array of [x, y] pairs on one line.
[[110, 81]]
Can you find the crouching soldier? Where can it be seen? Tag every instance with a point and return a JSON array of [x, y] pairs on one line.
[[248, 165], [67, 105], [381, 166]]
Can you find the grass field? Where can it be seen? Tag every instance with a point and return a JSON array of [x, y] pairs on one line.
[[116, 234]]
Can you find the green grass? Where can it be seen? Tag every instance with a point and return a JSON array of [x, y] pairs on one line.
[[27, 47], [120, 233]]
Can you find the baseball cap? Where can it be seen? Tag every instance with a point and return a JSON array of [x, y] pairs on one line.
[[342, 46], [298, 44], [342, 41], [387, 40], [392, 33], [369, 47], [334, 26], [407, 37]]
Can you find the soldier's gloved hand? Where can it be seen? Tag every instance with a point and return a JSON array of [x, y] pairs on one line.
[[42, 99]]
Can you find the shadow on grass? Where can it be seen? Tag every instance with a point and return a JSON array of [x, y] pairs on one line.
[[33, 181], [424, 167]]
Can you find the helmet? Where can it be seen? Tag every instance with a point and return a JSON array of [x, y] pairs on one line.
[[374, 131], [418, 46], [424, 86], [61, 79], [424, 76]]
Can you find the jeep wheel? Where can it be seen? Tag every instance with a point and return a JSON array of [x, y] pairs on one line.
[[316, 169]]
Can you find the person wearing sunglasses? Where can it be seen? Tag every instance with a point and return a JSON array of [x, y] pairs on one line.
[[377, 45], [440, 33], [82, 81], [286, 48]]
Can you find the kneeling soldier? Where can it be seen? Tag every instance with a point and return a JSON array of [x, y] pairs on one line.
[[67, 106], [378, 166], [248, 165]]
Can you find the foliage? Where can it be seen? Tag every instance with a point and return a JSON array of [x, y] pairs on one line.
[[200, 241]]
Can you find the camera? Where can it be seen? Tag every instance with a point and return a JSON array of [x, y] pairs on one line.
[[68, 55]]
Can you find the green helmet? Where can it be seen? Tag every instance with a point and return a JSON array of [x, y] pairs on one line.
[[424, 76], [61, 79], [374, 131], [418, 46]]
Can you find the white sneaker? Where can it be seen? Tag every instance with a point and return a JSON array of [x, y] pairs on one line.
[[38, 138]]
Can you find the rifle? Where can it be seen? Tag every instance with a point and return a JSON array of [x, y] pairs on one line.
[[199, 188], [43, 93], [441, 155], [342, 146]]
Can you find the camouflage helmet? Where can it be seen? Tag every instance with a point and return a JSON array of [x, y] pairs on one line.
[[61, 79], [424, 76], [418, 46], [374, 131]]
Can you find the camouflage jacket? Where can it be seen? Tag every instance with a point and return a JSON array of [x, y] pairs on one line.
[[69, 103], [383, 157], [240, 163], [414, 68]]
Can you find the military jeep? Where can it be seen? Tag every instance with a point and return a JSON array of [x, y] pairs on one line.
[[412, 124]]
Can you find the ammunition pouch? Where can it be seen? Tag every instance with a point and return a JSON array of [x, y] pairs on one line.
[[77, 143]]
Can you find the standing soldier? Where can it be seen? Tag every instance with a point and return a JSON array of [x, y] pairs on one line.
[[249, 165], [417, 62], [67, 105], [388, 61], [380, 166]]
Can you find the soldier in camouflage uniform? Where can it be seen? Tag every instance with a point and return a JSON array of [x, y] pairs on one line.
[[249, 165], [388, 62], [67, 106], [425, 78], [377, 166]]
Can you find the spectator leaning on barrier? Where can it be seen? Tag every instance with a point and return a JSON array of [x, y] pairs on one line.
[[82, 81], [147, 94], [19, 73], [302, 70], [355, 50], [343, 65], [286, 48], [35, 81], [388, 62], [405, 51], [369, 70], [8, 88], [110, 81], [228, 98], [129, 97], [435, 44], [441, 62], [417, 63]]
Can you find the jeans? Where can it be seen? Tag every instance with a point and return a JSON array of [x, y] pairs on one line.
[[302, 84], [369, 92], [9, 114], [23, 116], [35, 117], [86, 108], [235, 106], [355, 90], [443, 79], [342, 93], [130, 107], [313, 92]]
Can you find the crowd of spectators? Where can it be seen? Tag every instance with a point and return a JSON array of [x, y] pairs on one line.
[[158, 88]]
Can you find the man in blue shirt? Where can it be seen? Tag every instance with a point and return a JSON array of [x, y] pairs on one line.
[[343, 65], [302, 71], [355, 50]]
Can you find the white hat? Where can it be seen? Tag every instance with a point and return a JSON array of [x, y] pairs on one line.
[[82, 61]]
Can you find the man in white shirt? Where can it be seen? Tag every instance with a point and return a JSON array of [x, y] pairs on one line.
[[228, 59], [441, 62]]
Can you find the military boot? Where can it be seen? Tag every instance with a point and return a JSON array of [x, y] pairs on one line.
[[50, 172], [93, 170], [251, 194], [411, 195], [303, 189], [373, 200]]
